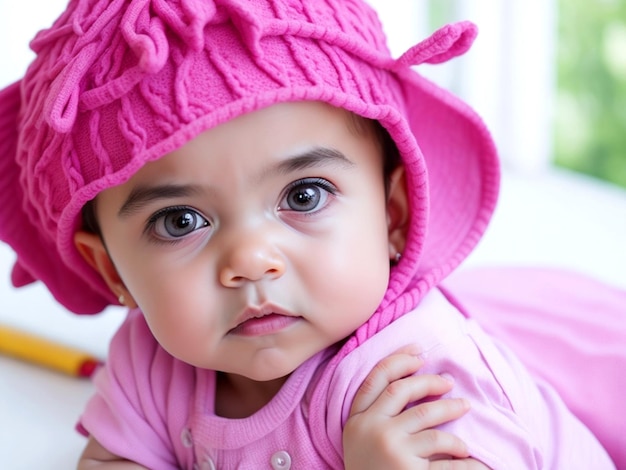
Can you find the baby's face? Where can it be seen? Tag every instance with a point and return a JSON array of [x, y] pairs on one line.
[[257, 244]]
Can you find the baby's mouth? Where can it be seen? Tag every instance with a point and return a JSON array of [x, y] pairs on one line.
[[268, 324], [264, 320]]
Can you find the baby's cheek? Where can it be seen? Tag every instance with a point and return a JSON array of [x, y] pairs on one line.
[[362, 290]]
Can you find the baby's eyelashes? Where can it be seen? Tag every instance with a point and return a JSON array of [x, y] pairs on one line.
[[175, 222]]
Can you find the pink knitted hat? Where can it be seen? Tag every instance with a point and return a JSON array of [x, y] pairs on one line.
[[117, 83]]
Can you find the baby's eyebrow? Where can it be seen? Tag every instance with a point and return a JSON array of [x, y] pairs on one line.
[[140, 196], [316, 157]]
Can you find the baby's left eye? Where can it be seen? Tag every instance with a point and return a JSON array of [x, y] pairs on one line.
[[307, 195]]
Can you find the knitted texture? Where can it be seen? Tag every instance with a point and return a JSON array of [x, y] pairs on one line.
[[118, 83]]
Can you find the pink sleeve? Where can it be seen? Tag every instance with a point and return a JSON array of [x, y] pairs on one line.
[[134, 412], [568, 329], [515, 423]]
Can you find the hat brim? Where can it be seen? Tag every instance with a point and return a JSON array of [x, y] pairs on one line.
[[35, 253], [453, 192]]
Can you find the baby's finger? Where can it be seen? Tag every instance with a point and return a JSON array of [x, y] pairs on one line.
[[400, 393], [433, 442], [400, 364], [433, 413]]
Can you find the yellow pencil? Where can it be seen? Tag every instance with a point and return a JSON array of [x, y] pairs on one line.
[[47, 353]]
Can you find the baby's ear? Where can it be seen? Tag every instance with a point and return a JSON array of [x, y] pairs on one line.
[[94, 252], [92, 249], [398, 212]]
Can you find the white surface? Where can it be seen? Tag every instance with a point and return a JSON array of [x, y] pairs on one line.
[[558, 218], [554, 220], [39, 407]]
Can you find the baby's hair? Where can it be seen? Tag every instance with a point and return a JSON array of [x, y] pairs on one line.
[[391, 155], [89, 219], [357, 124]]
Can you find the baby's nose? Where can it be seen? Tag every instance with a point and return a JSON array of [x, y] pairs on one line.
[[251, 258]]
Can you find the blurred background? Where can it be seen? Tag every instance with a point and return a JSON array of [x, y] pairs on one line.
[[548, 77]]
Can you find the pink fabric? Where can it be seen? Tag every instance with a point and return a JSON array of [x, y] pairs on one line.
[[157, 411], [516, 421], [118, 83], [568, 329], [149, 403]]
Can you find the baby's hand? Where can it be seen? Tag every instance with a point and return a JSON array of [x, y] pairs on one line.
[[380, 433]]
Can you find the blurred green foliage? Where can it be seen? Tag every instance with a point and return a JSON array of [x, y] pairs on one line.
[[590, 125], [441, 12]]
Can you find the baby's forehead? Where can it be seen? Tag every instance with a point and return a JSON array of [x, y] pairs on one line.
[[286, 128]]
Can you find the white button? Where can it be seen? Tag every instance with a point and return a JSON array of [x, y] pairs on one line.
[[281, 460], [186, 438]]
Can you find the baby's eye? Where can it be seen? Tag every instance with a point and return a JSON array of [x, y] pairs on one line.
[[176, 222], [307, 195]]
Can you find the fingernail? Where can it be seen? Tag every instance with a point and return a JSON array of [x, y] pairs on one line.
[[447, 378]]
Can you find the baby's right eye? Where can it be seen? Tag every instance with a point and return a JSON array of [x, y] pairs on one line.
[[176, 222]]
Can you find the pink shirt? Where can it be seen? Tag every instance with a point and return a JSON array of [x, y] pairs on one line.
[[157, 411]]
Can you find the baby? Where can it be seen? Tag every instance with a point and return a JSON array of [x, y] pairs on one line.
[[276, 200]]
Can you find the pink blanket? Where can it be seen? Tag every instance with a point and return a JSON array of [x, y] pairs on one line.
[[568, 329]]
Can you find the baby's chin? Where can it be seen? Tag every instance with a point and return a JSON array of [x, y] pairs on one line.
[[271, 366]]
